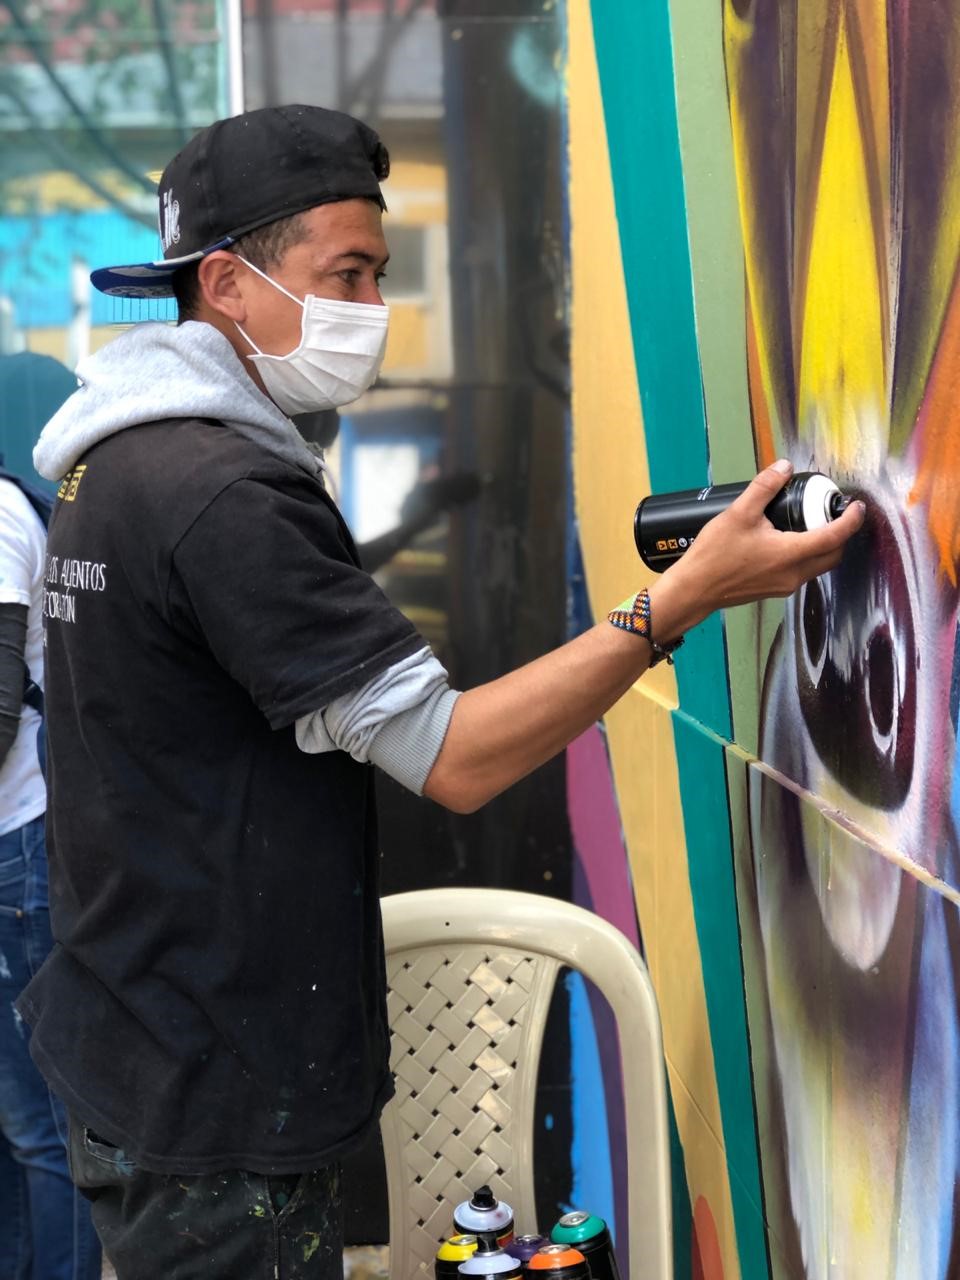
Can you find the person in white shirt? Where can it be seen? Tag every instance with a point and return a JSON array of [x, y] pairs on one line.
[[46, 1229]]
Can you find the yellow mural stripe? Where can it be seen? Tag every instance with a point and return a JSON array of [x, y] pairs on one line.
[[842, 391], [608, 483], [813, 51], [869, 61]]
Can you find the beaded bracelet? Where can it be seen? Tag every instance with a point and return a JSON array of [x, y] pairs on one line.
[[634, 615]]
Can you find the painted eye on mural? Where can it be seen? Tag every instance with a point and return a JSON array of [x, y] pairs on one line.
[[813, 611], [856, 666], [881, 670]]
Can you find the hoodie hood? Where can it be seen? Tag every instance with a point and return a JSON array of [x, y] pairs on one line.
[[154, 372]]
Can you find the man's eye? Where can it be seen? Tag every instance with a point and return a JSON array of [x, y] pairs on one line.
[[349, 275], [380, 276]]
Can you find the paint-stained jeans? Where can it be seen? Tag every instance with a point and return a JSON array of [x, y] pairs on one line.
[[219, 1226], [45, 1229]]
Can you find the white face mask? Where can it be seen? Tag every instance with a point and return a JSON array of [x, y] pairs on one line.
[[339, 356]]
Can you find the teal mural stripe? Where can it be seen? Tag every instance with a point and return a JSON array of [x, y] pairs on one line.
[[680, 1202], [751, 1227], [706, 822], [635, 63]]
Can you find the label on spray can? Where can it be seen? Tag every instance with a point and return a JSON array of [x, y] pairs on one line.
[[666, 524]]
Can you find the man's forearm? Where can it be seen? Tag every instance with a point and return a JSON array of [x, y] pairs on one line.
[[504, 730], [501, 731]]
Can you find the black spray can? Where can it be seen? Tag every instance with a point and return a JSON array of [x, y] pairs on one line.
[[451, 1253], [667, 523], [490, 1264], [589, 1234], [558, 1262], [486, 1217], [524, 1247]]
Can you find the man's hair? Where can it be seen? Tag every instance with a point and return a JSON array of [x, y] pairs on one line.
[[264, 247]]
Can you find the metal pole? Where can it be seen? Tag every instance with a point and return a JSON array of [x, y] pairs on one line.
[[268, 53], [343, 52], [233, 42], [78, 333]]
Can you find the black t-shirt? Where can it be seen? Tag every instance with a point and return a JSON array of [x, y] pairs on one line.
[[216, 997]]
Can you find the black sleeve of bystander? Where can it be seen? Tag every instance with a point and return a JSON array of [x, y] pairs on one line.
[[13, 638]]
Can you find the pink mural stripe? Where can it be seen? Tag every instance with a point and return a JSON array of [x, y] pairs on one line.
[[597, 834]]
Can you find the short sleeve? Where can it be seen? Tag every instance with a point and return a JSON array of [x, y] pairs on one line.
[[267, 575], [21, 546]]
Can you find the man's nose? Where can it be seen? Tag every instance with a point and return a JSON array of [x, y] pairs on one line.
[[370, 293]]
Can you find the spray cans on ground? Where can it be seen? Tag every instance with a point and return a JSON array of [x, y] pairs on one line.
[[490, 1264], [589, 1234], [451, 1253], [558, 1262], [524, 1247], [667, 523], [485, 1217]]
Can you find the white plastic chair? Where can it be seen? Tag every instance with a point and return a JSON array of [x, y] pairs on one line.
[[470, 974]]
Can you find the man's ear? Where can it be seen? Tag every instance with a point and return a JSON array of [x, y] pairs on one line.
[[219, 284]]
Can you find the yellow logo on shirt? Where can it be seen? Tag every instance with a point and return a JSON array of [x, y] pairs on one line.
[[71, 483]]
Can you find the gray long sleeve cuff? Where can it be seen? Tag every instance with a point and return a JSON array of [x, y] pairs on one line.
[[408, 744], [396, 721]]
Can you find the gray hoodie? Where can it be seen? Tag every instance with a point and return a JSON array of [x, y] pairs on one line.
[[154, 371]]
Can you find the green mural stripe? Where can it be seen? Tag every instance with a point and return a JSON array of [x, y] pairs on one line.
[[716, 244], [634, 59], [716, 251], [706, 821]]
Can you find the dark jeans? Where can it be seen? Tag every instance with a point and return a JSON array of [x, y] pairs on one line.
[[220, 1226], [45, 1228]]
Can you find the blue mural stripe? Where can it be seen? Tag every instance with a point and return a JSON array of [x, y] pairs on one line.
[[635, 61], [592, 1183]]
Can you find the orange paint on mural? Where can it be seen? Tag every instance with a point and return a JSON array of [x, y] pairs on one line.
[[762, 426], [707, 1259], [938, 424]]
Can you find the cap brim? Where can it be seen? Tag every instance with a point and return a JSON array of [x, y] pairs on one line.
[[147, 279]]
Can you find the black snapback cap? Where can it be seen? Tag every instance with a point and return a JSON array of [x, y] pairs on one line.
[[244, 172]]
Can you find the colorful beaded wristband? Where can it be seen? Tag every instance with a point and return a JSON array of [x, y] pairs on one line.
[[634, 615]]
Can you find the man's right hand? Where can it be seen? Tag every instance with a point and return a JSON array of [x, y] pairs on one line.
[[740, 557]]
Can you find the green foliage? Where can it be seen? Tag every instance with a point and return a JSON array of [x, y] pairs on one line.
[[106, 90]]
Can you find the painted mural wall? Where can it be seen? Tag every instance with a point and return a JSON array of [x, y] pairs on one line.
[[765, 214]]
